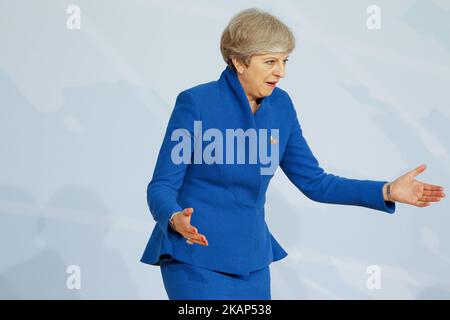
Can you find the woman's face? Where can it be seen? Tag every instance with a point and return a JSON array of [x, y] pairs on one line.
[[262, 74]]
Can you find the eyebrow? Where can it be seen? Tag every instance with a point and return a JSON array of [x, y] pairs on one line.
[[271, 57]]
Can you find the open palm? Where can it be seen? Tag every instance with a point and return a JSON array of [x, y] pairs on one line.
[[406, 189]]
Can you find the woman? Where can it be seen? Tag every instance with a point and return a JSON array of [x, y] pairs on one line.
[[207, 195]]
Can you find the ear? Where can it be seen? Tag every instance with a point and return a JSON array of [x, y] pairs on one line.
[[238, 65]]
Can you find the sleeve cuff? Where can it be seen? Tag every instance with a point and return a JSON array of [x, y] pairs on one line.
[[373, 197], [163, 220]]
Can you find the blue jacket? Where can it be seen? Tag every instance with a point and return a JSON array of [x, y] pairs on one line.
[[228, 199]]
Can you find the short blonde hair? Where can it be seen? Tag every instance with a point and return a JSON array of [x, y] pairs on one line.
[[251, 32]]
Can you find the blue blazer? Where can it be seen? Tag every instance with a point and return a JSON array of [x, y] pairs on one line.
[[228, 199]]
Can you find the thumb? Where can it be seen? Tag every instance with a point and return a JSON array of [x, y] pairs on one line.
[[418, 170], [188, 211]]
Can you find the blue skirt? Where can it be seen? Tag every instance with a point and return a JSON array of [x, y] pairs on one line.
[[184, 281]]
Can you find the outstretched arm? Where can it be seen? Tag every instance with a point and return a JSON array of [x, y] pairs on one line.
[[303, 170]]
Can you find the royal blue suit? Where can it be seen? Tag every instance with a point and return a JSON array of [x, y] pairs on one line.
[[228, 199]]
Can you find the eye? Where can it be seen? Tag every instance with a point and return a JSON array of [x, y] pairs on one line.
[[270, 62], [286, 60]]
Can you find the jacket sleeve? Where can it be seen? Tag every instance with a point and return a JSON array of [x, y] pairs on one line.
[[303, 170], [168, 175]]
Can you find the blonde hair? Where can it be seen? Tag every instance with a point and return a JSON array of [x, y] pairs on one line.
[[251, 32]]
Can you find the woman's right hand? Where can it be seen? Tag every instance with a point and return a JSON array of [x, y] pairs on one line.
[[182, 224]]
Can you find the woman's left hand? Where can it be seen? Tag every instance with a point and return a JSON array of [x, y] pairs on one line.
[[406, 189]]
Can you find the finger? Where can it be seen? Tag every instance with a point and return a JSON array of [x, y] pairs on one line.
[[191, 240], [430, 199], [422, 204], [432, 187], [191, 230], [415, 172], [199, 237], [188, 211], [187, 228], [194, 236], [434, 193], [203, 243]]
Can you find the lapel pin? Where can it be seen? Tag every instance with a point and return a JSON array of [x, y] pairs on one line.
[[273, 140]]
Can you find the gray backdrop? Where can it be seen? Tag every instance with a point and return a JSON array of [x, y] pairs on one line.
[[83, 112]]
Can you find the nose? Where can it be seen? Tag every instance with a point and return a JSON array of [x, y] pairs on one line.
[[279, 70]]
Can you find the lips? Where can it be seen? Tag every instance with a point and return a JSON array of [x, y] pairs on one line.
[[272, 84]]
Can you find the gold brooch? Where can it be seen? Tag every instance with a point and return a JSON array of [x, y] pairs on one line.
[[273, 140]]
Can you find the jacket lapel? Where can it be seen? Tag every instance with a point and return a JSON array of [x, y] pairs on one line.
[[243, 180]]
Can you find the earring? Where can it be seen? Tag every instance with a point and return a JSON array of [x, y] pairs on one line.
[[241, 71]]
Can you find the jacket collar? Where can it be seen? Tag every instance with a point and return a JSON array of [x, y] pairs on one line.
[[236, 87], [231, 80]]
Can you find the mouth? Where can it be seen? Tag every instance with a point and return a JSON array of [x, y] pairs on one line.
[[272, 84]]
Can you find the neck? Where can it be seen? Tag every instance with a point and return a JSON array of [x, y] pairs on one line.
[[252, 100], [254, 103]]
